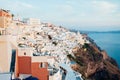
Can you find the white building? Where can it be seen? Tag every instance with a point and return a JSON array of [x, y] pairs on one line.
[[32, 21]]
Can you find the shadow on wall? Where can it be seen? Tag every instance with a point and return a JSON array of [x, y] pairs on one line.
[[12, 66]]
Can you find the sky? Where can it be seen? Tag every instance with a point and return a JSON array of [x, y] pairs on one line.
[[91, 15]]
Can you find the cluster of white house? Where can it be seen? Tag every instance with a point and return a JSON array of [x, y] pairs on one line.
[[31, 48]]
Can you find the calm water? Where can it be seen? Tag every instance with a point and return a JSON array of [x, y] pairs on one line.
[[109, 42]]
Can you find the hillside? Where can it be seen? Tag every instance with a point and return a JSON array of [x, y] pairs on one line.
[[95, 64], [66, 46]]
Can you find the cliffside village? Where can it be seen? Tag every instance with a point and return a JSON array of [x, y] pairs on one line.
[[32, 50]]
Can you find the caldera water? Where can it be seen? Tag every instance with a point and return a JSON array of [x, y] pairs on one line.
[[110, 42]]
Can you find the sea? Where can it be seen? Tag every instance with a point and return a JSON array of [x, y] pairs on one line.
[[110, 42]]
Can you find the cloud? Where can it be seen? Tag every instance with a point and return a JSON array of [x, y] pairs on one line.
[[18, 5], [69, 12], [104, 7], [66, 8], [70, 2], [25, 4]]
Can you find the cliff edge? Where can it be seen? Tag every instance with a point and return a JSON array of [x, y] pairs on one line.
[[94, 63]]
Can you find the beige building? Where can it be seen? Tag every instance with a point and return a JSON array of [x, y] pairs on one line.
[[5, 18], [5, 21], [5, 54], [2, 31]]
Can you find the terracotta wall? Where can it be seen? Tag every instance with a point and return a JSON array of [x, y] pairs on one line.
[[40, 73], [5, 19], [5, 14], [24, 65]]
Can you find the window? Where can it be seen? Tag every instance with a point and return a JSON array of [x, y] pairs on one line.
[[42, 65], [24, 53]]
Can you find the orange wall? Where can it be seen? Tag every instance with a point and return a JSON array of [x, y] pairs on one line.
[[5, 19], [5, 14], [40, 73], [24, 65]]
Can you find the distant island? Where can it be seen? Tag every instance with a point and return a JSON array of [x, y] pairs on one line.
[[87, 32]]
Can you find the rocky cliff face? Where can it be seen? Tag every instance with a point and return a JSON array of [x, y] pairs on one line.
[[95, 64]]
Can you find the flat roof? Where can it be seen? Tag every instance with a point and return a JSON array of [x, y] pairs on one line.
[[5, 76], [70, 73]]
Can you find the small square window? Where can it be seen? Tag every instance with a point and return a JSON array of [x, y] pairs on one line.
[[42, 65], [24, 53]]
